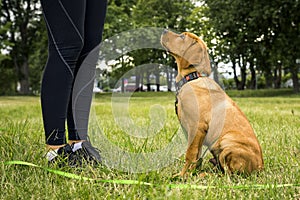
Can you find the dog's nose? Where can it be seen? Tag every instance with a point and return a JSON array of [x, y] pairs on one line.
[[165, 31]]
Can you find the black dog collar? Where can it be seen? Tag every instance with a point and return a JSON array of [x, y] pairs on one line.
[[187, 78]]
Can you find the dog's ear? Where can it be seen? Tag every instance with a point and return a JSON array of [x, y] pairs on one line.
[[200, 58], [204, 65]]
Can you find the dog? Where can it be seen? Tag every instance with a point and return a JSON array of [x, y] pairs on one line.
[[208, 116]]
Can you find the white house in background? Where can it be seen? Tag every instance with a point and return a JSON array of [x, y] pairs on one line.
[[96, 89], [288, 83]]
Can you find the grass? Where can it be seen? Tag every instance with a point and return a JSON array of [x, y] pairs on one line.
[[275, 120]]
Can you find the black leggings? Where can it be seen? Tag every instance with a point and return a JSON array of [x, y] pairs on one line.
[[74, 30]]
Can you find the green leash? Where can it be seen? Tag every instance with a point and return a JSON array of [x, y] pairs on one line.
[[135, 182]]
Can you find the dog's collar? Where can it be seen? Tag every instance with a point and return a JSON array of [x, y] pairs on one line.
[[189, 77]]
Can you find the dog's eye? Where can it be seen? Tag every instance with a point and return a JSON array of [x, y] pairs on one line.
[[182, 36]]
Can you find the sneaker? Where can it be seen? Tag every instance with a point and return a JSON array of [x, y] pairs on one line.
[[60, 157], [87, 154]]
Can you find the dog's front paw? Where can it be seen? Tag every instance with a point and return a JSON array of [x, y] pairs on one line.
[[202, 175], [180, 176], [175, 176], [213, 161]]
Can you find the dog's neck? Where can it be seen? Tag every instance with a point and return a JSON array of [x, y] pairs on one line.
[[184, 68]]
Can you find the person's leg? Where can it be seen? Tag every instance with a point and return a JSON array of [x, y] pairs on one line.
[[80, 103], [65, 26]]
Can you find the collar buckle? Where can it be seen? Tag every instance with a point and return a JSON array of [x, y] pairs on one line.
[[189, 77]]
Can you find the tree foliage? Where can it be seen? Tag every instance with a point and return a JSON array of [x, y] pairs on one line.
[[20, 25], [135, 14], [260, 39], [264, 34]]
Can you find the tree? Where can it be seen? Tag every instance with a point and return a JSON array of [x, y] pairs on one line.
[[126, 15], [262, 33], [38, 58], [21, 19], [288, 37], [169, 14], [235, 38]]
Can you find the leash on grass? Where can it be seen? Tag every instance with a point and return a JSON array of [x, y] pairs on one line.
[[135, 182]]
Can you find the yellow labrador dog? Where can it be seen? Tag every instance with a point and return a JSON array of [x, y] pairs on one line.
[[207, 114]]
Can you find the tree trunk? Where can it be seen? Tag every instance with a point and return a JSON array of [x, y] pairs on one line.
[[236, 80], [294, 71], [168, 79], [148, 82], [142, 82], [253, 76], [137, 80], [243, 65], [24, 78], [123, 85], [22, 72], [243, 76], [123, 80], [268, 74], [157, 82], [214, 67], [170, 83], [277, 77], [240, 84]]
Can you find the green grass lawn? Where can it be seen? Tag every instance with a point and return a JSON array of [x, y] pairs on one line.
[[275, 119]]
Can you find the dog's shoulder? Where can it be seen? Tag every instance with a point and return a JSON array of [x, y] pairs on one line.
[[207, 83]]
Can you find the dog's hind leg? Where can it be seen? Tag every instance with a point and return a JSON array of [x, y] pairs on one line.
[[235, 162]]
